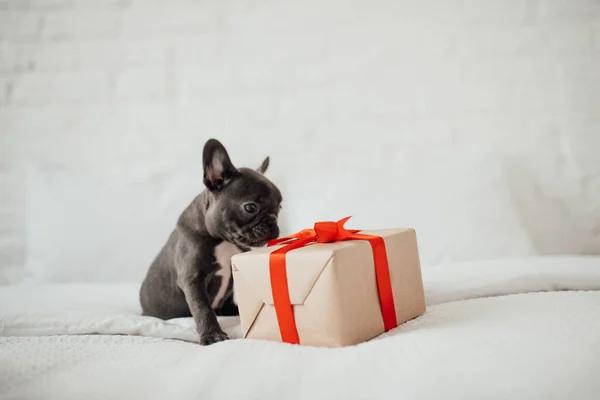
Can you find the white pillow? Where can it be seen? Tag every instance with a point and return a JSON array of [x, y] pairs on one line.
[[85, 226], [459, 202]]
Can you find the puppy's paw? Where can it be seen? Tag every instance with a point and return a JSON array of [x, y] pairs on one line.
[[207, 338]]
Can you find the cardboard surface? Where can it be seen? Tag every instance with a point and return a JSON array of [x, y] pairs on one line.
[[333, 289]]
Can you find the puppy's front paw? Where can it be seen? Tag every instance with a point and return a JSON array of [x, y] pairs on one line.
[[207, 338]]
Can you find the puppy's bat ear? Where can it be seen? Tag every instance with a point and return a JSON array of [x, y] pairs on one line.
[[218, 169], [264, 166]]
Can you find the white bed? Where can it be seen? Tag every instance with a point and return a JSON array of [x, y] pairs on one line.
[[521, 328]]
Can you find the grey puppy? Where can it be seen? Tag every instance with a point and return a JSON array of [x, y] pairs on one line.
[[191, 276]]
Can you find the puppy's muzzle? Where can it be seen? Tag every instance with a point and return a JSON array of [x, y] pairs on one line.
[[266, 229]]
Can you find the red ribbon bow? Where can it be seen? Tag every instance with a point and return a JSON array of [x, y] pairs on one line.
[[325, 232]]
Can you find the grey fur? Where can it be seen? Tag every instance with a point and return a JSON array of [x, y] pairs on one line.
[[181, 281]]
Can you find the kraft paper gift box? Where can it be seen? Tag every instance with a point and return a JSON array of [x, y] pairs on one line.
[[334, 290]]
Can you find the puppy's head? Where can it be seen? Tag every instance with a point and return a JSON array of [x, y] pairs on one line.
[[243, 205]]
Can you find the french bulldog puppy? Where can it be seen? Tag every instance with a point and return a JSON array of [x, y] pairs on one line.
[[191, 275]]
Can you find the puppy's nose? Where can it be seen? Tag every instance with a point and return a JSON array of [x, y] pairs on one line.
[[273, 230], [274, 233]]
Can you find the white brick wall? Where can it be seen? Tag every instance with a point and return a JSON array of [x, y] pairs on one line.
[[82, 24], [19, 25], [135, 85]]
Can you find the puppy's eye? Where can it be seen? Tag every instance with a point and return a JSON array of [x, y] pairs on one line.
[[250, 207]]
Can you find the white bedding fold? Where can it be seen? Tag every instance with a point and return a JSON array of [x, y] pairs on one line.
[[463, 281], [486, 335], [535, 346], [78, 309], [114, 309]]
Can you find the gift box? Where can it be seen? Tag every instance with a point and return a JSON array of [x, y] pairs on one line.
[[329, 286]]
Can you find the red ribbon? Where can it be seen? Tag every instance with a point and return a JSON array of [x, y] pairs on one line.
[[325, 232]]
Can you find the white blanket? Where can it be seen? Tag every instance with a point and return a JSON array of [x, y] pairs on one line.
[[520, 343]]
